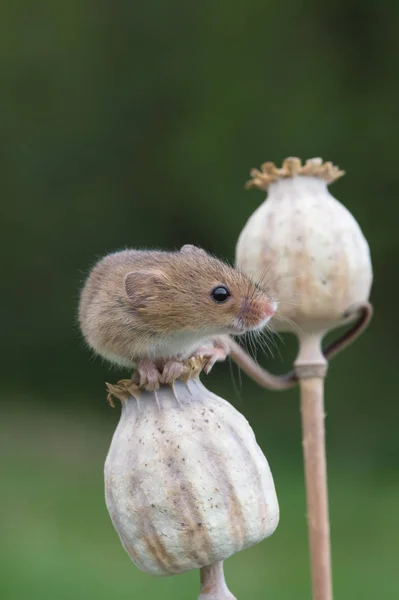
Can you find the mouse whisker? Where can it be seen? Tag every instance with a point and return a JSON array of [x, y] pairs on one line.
[[263, 341], [271, 334], [237, 387], [294, 325], [290, 303], [251, 347]]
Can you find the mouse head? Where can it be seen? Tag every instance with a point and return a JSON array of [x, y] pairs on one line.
[[191, 291]]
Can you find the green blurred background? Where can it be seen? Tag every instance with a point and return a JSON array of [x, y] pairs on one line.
[[126, 123]]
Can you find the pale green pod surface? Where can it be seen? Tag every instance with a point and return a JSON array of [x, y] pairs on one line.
[[186, 484]]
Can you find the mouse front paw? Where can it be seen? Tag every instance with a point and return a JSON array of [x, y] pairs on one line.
[[215, 355], [217, 350], [172, 370], [149, 376]]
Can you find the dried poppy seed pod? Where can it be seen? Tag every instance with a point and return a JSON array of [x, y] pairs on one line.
[[307, 244], [186, 483]]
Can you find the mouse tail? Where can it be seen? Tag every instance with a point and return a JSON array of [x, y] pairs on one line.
[[363, 311]]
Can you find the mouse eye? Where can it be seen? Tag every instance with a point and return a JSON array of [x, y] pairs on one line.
[[220, 294]]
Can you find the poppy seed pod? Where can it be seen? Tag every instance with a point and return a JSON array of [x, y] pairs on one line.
[[311, 254], [306, 246], [186, 484]]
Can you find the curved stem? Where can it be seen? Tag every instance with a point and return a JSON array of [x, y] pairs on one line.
[[213, 583], [288, 380], [311, 367]]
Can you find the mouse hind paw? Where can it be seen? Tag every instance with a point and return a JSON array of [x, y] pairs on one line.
[[172, 370], [149, 376]]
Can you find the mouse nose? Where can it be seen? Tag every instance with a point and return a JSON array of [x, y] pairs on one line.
[[256, 313], [270, 309], [264, 312]]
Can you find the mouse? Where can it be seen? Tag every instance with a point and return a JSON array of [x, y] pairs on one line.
[[151, 310]]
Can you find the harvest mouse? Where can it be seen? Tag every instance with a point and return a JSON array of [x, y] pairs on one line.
[[154, 309]]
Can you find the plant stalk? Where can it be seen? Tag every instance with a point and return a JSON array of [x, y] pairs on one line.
[[311, 369], [213, 583]]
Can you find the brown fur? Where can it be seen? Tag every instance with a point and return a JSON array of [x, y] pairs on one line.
[[158, 304]]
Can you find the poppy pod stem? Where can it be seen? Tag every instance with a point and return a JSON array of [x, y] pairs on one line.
[[213, 583], [311, 368], [309, 252]]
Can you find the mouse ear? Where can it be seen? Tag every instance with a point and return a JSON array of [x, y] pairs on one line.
[[190, 249], [139, 285]]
